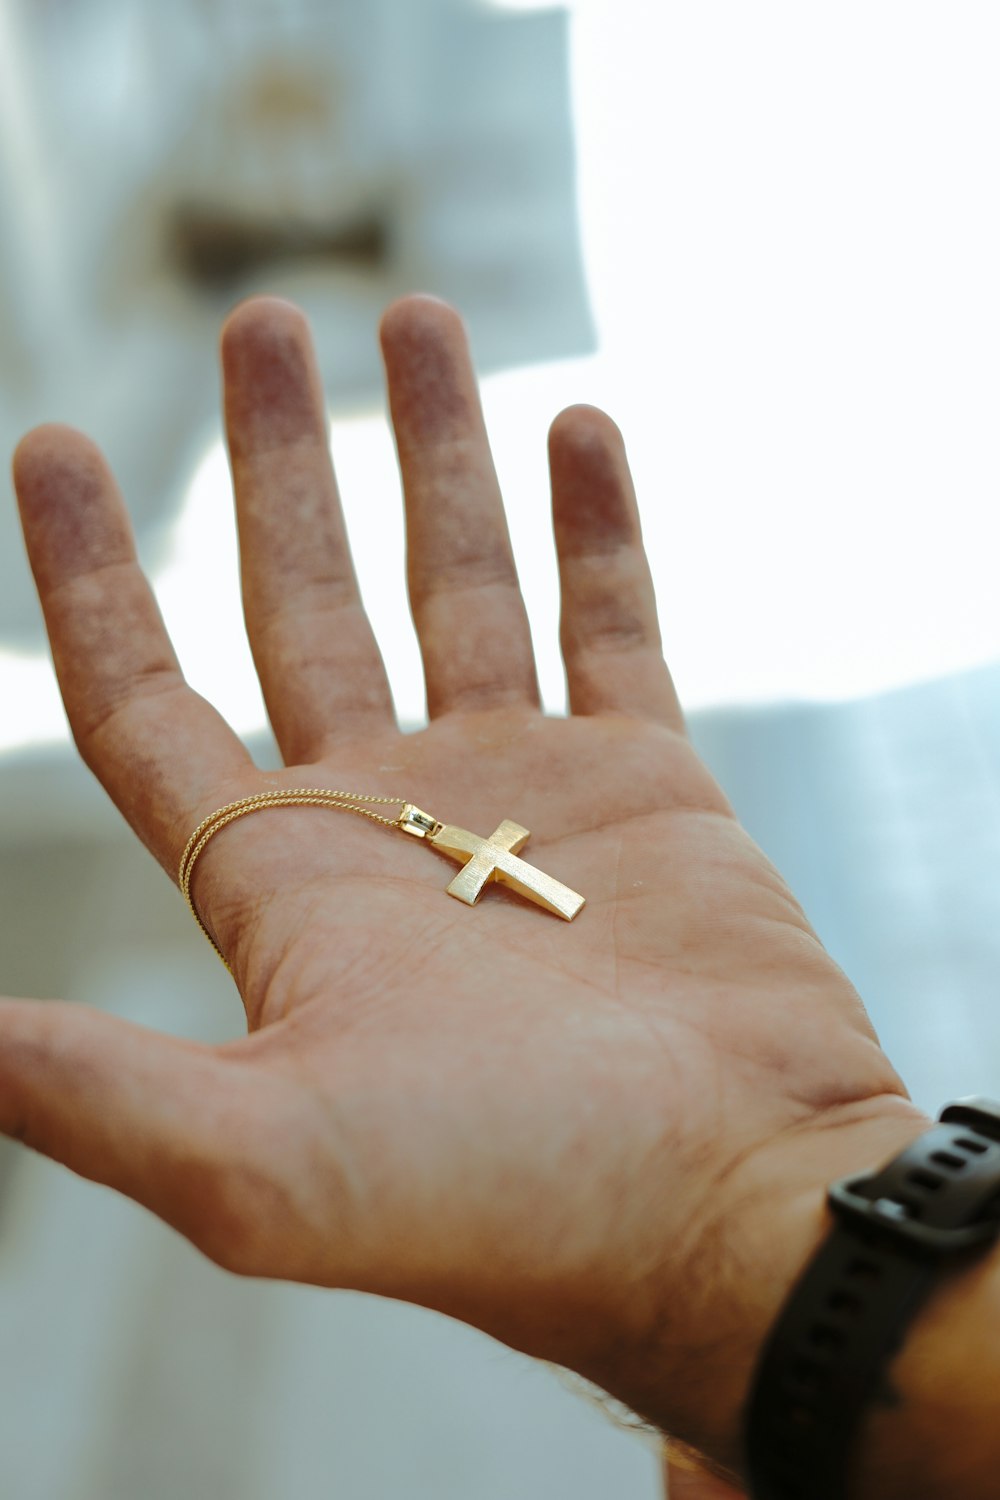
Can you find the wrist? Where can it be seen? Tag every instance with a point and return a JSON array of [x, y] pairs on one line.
[[692, 1374]]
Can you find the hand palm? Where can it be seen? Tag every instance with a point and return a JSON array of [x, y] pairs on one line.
[[529, 1124], [476, 1059]]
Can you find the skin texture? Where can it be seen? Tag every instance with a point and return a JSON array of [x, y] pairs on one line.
[[580, 1137]]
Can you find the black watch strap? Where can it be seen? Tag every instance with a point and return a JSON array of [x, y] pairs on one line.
[[931, 1209]]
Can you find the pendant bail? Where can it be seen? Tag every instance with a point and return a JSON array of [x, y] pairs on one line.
[[420, 824]]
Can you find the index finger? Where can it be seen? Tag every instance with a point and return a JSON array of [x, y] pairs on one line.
[[157, 747]]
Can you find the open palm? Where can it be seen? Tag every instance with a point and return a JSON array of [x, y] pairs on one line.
[[533, 1125]]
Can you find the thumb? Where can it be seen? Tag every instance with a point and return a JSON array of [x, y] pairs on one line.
[[158, 1118]]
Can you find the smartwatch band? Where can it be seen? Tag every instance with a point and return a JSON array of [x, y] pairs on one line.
[[931, 1209]]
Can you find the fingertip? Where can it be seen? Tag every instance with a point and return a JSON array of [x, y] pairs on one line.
[[417, 317], [589, 466], [584, 428], [57, 470], [273, 392], [52, 445], [431, 382], [260, 324], [593, 497]]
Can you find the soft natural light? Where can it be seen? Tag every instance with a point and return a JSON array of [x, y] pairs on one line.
[[791, 245], [532, 4], [792, 257], [27, 681]]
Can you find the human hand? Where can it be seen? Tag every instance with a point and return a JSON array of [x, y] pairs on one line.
[[602, 1142], [685, 1477]]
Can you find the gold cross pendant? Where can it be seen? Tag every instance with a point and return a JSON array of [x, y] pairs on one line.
[[494, 858]]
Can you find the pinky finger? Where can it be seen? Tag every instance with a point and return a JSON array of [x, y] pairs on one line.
[[609, 632]]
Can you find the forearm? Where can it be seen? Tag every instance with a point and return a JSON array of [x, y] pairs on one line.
[[942, 1439]]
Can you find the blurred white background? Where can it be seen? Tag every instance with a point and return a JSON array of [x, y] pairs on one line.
[[790, 241], [775, 264]]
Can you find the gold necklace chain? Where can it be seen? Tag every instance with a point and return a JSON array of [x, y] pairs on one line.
[[482, 859], [409, 819]]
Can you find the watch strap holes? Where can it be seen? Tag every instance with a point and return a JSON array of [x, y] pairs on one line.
[[922, 1178], [946, 1159]]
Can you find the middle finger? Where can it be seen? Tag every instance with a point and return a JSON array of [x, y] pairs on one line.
[[466, 601]]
